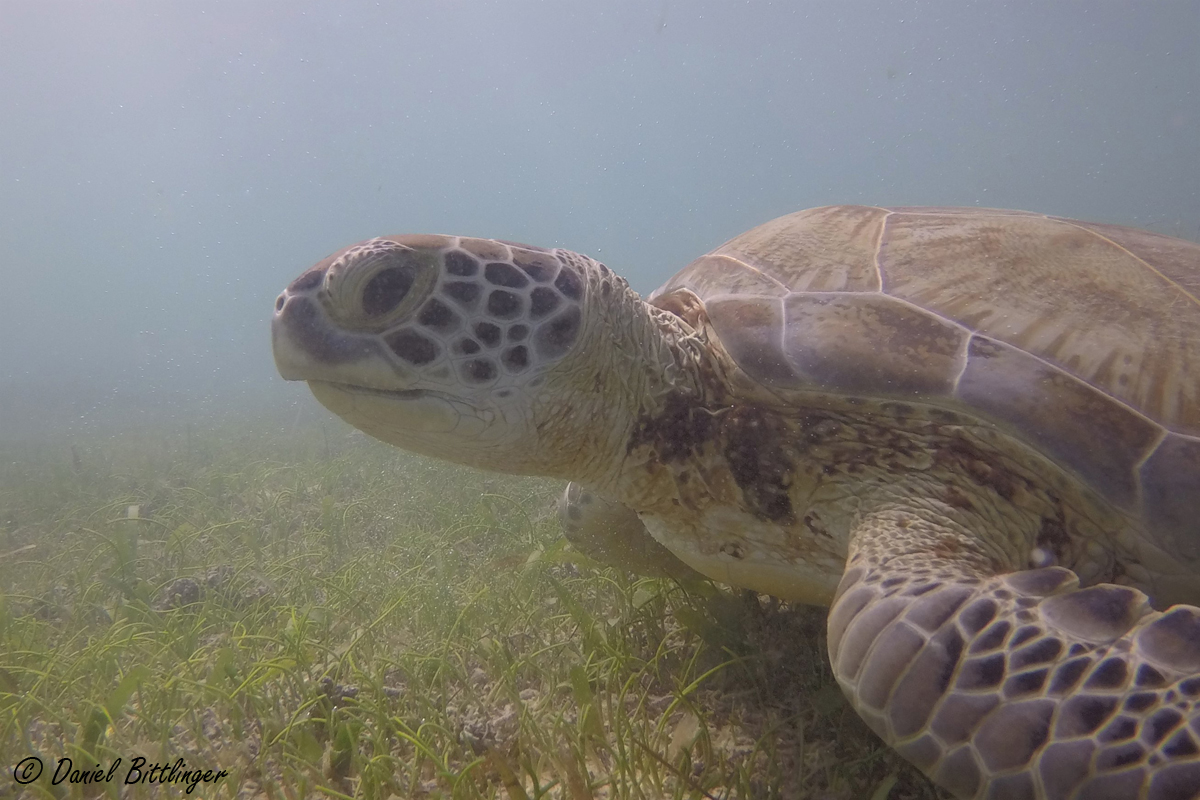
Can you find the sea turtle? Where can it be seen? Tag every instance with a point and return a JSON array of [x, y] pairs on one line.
[[973, 433]]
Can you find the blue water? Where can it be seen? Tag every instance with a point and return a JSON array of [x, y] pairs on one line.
[[165, 168]]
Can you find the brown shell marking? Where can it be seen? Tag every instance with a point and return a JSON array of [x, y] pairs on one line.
[[1061, 414], [1081, 338], [1063, 293], [862, 343]]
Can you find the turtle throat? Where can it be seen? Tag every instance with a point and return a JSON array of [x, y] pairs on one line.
[[634, 362], [651, 371]]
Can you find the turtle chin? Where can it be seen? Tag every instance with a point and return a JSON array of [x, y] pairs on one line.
[[424, 421]]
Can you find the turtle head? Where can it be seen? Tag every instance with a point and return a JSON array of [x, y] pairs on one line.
[[447, 346]]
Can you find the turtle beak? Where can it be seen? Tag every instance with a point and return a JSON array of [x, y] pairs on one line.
[[308, 347], [290, 358]]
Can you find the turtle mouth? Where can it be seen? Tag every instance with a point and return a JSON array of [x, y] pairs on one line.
[[391, 394], [405, 417]]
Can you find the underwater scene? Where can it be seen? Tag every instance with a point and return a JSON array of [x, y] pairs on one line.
[[582, 401]]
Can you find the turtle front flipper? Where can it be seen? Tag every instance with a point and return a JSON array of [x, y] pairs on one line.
[[613, 534], [1017, 685]]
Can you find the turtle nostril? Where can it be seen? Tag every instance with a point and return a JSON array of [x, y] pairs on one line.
[[385, 290], [279, 301]]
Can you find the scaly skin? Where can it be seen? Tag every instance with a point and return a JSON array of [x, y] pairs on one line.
[[1018, 684]]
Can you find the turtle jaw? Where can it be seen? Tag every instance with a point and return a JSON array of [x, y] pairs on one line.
[[353, 374], [423, 421]]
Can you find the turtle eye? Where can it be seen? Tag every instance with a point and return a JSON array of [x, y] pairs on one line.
[[377, 283], [386, 290]]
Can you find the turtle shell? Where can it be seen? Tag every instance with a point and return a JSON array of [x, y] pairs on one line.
[[1082, 339]]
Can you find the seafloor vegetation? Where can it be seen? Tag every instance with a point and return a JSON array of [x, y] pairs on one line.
[[323, 616]]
